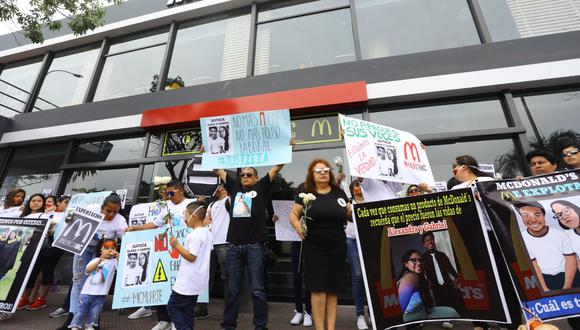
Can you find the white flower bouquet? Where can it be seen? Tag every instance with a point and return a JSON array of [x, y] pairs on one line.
[[307, 200]]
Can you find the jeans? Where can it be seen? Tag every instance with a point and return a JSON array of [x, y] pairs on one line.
[[297, 277], [90, 306], [79, 275], [181, 310], [358, 287], [252, 256]]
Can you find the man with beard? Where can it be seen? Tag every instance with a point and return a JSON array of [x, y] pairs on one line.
[[441, 274]]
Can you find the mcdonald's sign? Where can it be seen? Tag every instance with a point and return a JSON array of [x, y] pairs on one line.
[[410, 147], [316, 129]]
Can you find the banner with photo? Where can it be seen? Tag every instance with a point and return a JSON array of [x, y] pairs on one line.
[[79, 232], [148, 267], [426, 259], [537, 222], [380, 152], [20, 243], [142, 213], [248, 139]]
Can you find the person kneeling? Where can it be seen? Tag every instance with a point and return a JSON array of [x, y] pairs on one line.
[[193, 276], [101, 273]]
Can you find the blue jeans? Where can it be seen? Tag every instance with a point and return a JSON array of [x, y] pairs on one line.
[[88, 306], [358, 287], [181, 310], [299, 299], [79, 275], [252, 256]]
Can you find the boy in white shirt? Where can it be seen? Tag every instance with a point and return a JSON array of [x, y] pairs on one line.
[[193, 276], [101, 272]]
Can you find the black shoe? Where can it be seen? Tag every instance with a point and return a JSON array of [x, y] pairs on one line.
[[201, 313], [67, 322]]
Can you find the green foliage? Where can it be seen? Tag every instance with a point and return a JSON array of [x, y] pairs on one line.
[[80, 15]]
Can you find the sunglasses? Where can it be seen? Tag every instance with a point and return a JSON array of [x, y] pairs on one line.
[[246, 175], [170, 193], [570, 153], [414, 190], [416, 260], [322, 170]]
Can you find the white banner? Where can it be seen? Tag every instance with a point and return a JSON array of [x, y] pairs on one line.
[[381, 152]]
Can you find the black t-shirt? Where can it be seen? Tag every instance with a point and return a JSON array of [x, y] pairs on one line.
[[248, 211], [328, 211]]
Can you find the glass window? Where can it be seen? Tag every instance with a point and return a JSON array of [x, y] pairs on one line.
[[444, 118], [109, 150], [155, 141], [91, 180], [16, 82], [130, 73], [67, 80], [524, 18], [174, 169], [389, 28], [304, 42], [500, 153], [550, 117], [138, 42], [210, 52], [35, 168], [279, 9]]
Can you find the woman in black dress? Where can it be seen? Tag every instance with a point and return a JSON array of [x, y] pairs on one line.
[[324, 241]]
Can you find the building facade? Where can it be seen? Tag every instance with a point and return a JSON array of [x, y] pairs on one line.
[[116, 107]]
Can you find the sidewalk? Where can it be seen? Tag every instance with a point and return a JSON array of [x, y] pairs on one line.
[[279, 314]]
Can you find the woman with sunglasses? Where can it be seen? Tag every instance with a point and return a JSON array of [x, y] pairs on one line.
[[568, 216], [324, 243], [413, 288]]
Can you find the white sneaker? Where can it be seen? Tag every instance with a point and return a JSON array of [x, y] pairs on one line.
[[307, 320], [58, 313], [447, 325], [162, 325], [141, 312], [89, 327], [297, 319], [173, 327], [361, 323]]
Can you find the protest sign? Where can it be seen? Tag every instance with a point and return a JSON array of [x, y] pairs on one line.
[[78, 233], [248, 139], [402, 243], [536, 221], [142, 213], [283, 227], [380, 152], [149, 266], [200, 181], [123, 196], [20, 243]]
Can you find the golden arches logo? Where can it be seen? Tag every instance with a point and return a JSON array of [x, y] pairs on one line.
[[321, 124], [508, 196]]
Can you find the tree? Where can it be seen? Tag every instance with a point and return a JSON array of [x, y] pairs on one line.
[[80, 15]]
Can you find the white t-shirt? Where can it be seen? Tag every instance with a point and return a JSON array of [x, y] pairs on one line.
[[574, 240], [99, 281], [193, 277], [11, 212], [108, 229], [471, 184], [216, 146], [549, 250], [132, 275], [220, 221], [177, 210], [376, 190]]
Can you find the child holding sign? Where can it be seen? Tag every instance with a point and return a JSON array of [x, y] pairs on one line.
[[101, 273], [193, 276]]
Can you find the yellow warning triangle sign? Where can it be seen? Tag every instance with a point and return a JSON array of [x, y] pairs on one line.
[[160, 275]]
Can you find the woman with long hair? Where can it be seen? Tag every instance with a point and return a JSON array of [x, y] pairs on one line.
[[568, 216], [224, 133], [13, 202], [414, 296], [50, 204], [325, 208], [143, 262], [10, 248]]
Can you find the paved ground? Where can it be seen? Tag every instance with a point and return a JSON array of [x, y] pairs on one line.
[[280, 314]]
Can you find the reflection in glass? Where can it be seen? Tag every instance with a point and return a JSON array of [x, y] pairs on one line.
[[111, 150], [278, 9], [523, 18], [129, 73], [62, 84], [304, 42], [155, 143], [82, 181], [122, 46], [34, 168], [389, 28], [212, 51], [174, 169], [444, 118], [498, 152], [15, 86], [550, 118]]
